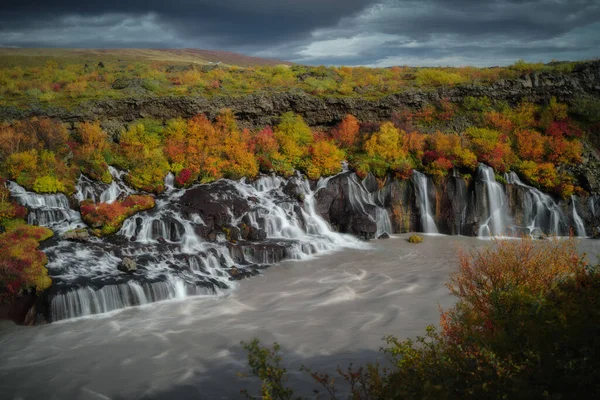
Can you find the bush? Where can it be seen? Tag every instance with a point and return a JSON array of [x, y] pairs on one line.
[[438, 77], [106, 219], [415, 239], [22, 265], [48, 184]]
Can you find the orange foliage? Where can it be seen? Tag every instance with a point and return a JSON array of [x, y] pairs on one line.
[[531, 144], [531, 266], [346, 133]]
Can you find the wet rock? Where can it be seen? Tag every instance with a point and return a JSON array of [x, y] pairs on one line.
[[370, 183], [127, 265], [256, 234], [216, 204], [384, 235], [77, 235], [336, 205], [537, 234], [161, 240]]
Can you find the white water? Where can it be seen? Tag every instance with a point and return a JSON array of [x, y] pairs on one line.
[[173, 261], [360, 197], [88, 189], [541, 211], [579, 225], [50, 210], [427, 221], [495, 224]]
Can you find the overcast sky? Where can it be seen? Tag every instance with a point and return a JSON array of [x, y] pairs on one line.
[[338, 32]]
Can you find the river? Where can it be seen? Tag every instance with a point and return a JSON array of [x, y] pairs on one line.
[[324, 312]]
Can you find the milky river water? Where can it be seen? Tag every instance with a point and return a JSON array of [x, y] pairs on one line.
[[324, 312]]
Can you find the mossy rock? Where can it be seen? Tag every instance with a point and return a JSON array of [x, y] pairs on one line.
[[415, 239]]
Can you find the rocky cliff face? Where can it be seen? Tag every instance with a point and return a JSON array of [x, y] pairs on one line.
[[264, 108], [457, 207]]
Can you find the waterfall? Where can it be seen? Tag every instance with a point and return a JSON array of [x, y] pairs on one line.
[[169, 182], [50, 210], [360, 197], [579, 225], [88, 189], [427, 221], [172, 260], [494, 225], [540, 211]]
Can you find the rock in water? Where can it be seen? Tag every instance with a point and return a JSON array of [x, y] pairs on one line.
[[77, 235], [384, 235], [127, 265]]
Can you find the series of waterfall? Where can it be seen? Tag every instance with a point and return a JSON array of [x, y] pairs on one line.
[[176, 255], [173, 261]]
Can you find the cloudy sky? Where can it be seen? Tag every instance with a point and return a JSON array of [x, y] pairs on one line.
[[338, 32]]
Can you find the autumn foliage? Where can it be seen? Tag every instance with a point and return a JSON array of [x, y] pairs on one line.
[[22, 265], [107, 218], [534, 141]]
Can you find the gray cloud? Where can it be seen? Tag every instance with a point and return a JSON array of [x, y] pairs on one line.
[[351, 32]]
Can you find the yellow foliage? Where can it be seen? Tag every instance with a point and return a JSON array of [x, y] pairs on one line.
[[387, 143]]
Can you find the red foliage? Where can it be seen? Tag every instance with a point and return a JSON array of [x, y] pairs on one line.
[[183, 177], [107, 218], [21, 263], [563, 128]]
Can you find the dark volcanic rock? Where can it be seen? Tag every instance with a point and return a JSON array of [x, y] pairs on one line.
[[335, 204], [214, 203], [127, 265]]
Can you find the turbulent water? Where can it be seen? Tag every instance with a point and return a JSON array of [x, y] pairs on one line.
[[326, 311]]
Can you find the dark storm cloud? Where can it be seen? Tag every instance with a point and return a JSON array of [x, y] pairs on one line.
[[372, 32], [223, 22]]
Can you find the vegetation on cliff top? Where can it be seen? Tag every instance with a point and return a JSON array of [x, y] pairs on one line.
[[524, 327], [68, 79]]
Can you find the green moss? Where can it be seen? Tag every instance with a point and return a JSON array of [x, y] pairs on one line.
[[415, 239]]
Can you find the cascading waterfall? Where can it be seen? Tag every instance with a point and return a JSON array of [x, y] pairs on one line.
[[172, 261], [427, 221], [494, 225], [359, 196], [579, 225], [50, 210], [88, 189], [540, 211]]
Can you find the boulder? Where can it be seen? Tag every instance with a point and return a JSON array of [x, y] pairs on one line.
[[127, 265], [77, 235], [384, 235]]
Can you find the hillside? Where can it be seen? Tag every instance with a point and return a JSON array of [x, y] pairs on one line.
[[10, 57]]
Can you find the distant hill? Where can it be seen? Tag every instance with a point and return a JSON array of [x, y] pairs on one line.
[[10, 56]]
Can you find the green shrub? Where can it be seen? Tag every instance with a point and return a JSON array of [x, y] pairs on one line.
[[415, 239], [48, 184], [438, 77]]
